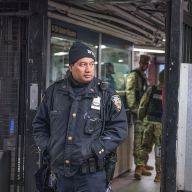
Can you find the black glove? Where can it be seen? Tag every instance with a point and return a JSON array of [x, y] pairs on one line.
[[45, 157]]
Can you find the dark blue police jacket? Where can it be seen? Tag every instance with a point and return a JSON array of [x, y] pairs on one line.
[[69, 127]]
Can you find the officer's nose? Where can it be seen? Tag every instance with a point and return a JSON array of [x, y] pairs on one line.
[[88, 68]]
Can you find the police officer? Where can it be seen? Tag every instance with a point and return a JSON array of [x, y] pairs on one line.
[[78, 123], [135, 88], [150, 111]]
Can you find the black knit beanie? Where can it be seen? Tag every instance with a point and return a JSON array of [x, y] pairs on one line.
[[78, 50]]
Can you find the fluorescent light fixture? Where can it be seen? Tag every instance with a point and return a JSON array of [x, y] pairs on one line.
[[60, 53], [102, 46], [149, 50], [120, 60], [58, 38]]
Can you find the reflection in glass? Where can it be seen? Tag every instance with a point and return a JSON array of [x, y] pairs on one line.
[[115, 66]]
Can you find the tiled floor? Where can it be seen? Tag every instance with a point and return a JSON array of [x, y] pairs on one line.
[[127, 183]]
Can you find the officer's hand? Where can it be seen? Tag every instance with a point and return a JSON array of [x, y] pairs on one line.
[[45, 156]]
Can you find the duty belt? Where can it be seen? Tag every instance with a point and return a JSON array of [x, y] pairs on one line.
[[92, 165]]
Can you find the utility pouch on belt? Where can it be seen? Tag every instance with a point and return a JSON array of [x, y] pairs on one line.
[[100, 164], [92, 165], [84, 168]]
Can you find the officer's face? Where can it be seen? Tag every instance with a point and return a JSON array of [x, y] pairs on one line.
[[83, 70]]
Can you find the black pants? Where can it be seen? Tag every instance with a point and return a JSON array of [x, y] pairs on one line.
[[94, 182]]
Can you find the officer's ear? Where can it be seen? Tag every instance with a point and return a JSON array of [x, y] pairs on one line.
[[70, 67]]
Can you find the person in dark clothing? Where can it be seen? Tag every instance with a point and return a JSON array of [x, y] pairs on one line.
[[109, 75], [78, 124]]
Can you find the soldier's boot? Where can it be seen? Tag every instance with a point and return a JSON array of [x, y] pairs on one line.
[[149, 167], [138, 172], [157, 177], [145, 172]]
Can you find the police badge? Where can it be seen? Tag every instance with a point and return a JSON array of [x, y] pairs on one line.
[[117, 101], [96, 103]]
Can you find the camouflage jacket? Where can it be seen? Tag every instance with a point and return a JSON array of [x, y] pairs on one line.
[[135, 87]]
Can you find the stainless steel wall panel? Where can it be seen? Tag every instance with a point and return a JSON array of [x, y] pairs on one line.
[[184, 140]]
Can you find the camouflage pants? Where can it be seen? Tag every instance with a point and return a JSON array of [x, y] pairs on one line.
[[151, 135], [139, 128]]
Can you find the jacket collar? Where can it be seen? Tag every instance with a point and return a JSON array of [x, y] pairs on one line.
[[91, 90]]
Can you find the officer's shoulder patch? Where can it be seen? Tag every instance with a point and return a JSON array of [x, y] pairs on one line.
[[117, 101]]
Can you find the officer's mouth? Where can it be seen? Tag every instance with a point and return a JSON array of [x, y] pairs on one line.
[[88, 76]]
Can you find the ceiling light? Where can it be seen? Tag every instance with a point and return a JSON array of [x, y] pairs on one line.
[[58, 38], [120, 60], [60, 53], [149, 50], [102, 46]]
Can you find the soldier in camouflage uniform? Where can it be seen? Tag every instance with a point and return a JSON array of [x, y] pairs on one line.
[[135, 88], [150, 111]]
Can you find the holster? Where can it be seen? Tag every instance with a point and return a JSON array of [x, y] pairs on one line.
[[43, 179], [110, 163]]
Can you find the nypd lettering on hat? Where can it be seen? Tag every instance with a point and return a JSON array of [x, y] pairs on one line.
[[90, 52]]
